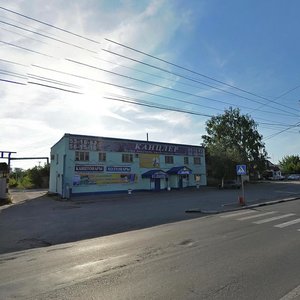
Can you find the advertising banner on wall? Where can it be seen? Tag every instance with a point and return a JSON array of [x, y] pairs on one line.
[[98, 179], [117, 145], [118, 169], [149, 161]]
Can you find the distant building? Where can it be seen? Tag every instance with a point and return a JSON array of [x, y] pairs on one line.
[[272, 171], [89, 164]]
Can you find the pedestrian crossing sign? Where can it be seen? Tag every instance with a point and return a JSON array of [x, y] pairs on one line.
[[241, 170]]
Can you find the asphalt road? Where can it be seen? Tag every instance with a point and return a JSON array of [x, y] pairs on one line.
[[249, 254], [37, 221]]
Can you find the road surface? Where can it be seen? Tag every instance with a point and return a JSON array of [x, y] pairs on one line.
[[249, 254]]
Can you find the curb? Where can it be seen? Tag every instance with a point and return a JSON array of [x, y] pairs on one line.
[[199, 210]]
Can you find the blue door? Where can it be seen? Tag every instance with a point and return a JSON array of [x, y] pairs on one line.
[[180, 183], [157, 184]]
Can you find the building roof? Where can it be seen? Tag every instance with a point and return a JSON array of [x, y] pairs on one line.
[[126, 140]]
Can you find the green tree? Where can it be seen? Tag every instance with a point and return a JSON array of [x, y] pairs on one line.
[[232, 138], [37, 173], [290, 164], [31, 178]]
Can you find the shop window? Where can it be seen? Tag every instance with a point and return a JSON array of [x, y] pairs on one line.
[[197, 160], [185, 160], [127, 158], [82, 156], [102, 156], [169, 159]]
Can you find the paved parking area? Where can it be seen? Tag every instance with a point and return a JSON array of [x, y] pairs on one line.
[[36, 220]]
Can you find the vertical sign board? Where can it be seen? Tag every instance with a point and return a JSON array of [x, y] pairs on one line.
[[242, 170]]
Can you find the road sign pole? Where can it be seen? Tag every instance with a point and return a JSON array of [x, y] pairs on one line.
[[240, 171], [243, 191]]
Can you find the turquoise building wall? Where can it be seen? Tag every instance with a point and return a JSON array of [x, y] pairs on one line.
[[72, 169]]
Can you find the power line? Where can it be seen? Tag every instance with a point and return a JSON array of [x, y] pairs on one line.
[[53, 87], [23, 48], [144, 53], [147, 103], [50, 80], [277, 133], [48, 37], [127, 88], [193, 79], [11, 81], [9, 73], [22, 35], [280, 96], [141, 91], [167, 88], [192, 71], [13, 62], [50, 25], [146, 73], [169, 108]]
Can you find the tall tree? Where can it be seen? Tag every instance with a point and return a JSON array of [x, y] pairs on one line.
[[290, 164], [233, 138]]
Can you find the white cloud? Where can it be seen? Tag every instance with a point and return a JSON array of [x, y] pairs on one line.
[[33, 117]]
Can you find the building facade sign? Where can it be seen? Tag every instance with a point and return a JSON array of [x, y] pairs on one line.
[[105, 145], [118, 169], [160, 175], [89, 168]]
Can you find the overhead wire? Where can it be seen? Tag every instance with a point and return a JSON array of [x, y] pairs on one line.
[[149, 55], [281, 131], [48, 37], [166, 88], [11, 81], [149, 104], [129, 98], [23, 35], [50, 25], [145, 103], [141, 52], [27, 49], [191, 79], [144, 53], [192, 71]]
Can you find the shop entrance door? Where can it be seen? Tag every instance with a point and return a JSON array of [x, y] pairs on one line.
[[180, 185], [157, 184]]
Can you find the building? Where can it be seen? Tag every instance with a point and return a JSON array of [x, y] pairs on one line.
[[89, 164]]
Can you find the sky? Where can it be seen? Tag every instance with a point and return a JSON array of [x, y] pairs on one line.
[[79, 66]]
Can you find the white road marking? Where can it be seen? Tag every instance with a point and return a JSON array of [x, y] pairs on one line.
[[257, 216], [273, 219], [293, 294], [240, 213], [282, 225]]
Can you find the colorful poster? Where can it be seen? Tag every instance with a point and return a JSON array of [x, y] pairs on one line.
[[149, 161], [98, 179]]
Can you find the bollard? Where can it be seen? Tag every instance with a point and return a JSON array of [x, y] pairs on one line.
[[241, 200]]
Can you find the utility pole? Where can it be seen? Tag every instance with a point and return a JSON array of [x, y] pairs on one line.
[[5, 170]]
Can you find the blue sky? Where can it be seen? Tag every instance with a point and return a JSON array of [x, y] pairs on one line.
[[251, 45]]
